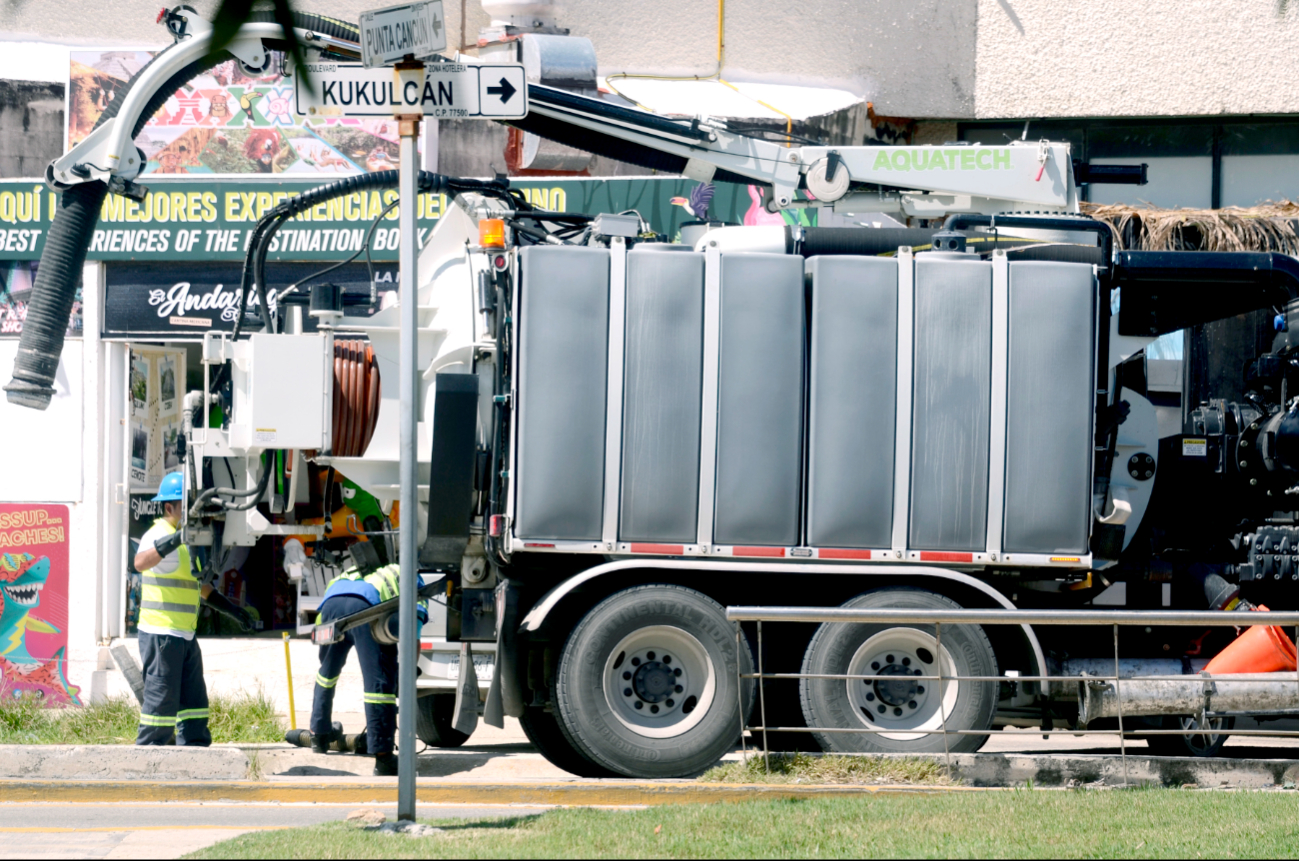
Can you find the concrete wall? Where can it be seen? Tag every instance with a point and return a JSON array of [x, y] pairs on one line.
[[912, 58], [1044, 58], [31, 127], [923, 59]]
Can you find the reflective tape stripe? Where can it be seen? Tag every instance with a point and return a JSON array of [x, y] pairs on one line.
[[192, 714], [380, 699], [168, 607], [156, 720], [166, 582], [324, 682]]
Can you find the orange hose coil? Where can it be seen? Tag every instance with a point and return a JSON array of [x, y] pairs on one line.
[[356, 396]]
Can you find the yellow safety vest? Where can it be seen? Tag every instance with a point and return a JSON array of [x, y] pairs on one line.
[[170, 600]]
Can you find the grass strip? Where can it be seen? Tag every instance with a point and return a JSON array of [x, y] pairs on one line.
[[1155, 823], [245, 717], [853, 770]]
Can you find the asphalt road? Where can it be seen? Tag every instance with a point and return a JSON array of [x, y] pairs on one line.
[[169, 830]]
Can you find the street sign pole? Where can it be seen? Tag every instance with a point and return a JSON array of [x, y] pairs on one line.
[[408, 636]]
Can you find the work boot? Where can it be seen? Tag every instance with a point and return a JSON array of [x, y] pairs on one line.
[[385, 765], [321, 743]]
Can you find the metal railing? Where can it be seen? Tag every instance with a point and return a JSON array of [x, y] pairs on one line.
[[938, 618]]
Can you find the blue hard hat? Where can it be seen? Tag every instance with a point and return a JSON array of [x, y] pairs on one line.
[[173, 484]]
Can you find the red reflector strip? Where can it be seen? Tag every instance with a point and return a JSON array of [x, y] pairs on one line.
[[539, 545], [426, 644], [934, 556], [758, 551], [669, 549], [831, 553]]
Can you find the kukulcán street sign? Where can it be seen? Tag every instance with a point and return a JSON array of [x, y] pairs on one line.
[[448, 91], [414, 29]]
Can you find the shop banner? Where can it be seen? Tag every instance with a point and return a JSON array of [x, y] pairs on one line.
[[213, 220], [34, 604], [182, 300]]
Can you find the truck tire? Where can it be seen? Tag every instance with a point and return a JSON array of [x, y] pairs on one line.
[[434, 719], [647, 683], [1208, 744], [542, 729], [903, 706]]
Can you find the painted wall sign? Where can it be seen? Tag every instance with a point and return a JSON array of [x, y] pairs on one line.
[[227, 122], [34, 604]]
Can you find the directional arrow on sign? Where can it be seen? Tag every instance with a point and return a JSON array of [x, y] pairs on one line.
[[436, 23], [505, 90]]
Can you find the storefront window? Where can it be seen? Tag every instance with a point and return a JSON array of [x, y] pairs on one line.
[[1260, 163]]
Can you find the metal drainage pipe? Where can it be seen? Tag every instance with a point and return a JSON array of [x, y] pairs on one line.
[[1187, 695]]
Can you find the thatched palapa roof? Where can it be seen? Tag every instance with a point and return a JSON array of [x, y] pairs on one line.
[[1267, 227]]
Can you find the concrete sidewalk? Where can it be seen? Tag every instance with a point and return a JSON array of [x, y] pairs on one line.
[[509, 774]]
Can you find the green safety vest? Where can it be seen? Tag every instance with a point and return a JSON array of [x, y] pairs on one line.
[[384, 580], [170, 600]]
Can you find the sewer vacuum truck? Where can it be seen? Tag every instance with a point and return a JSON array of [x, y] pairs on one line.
[[620, 436]]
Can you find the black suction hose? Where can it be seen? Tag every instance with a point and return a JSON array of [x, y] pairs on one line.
[[64, 253]]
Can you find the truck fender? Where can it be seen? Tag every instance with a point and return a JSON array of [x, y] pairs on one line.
[[536, 617]]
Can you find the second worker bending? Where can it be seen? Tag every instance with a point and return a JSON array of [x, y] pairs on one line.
[[349, 593]]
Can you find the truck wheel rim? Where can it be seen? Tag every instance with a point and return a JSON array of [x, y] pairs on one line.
[[901, 702], [659, 681], [1203, 741]]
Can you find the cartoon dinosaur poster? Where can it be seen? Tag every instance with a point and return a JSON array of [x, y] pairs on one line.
[[34, 604]]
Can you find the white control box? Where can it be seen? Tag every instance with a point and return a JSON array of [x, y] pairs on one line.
[[283, 392]]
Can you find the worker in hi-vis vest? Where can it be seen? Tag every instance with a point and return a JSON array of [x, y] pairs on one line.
[[351, 592], [175, 696]]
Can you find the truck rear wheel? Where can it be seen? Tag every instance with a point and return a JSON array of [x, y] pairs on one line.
[[647, 683], [542, 729], [905, 710], [434, 719]]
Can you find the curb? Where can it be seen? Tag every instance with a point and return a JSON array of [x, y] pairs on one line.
[[604, 794]]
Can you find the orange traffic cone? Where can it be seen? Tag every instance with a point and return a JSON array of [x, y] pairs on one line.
[[1261, 649]]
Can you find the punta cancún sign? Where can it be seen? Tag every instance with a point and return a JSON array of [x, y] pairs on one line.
[[448, 91], [394, 32]]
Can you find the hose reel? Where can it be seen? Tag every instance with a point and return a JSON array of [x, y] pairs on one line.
[[357, 390]]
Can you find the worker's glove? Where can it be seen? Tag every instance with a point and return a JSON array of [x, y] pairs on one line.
[[166, 546], [230, 610]]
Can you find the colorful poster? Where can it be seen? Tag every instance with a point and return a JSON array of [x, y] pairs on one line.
[[17, 277], [227, 122], [34, 604], [156, 386]]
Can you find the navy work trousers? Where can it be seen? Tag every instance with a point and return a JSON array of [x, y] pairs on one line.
[[175, 696], [378, 672]]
